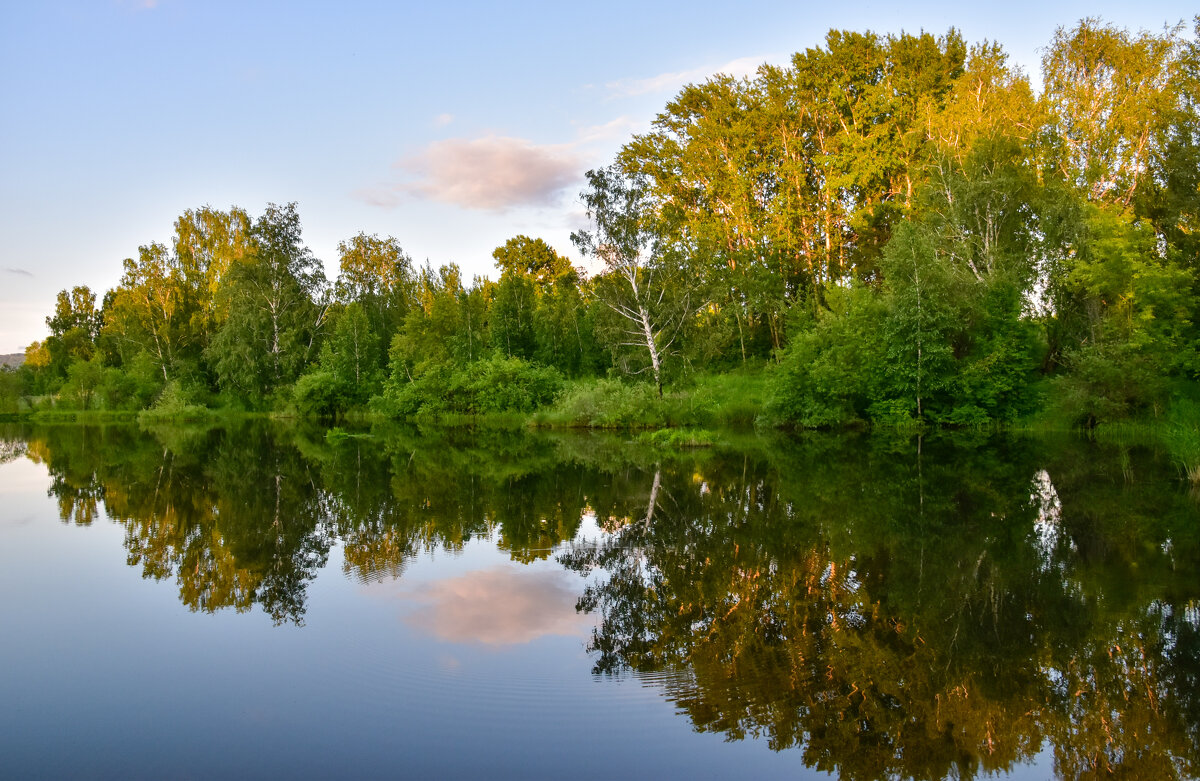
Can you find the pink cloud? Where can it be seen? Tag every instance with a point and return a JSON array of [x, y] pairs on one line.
[[504, 605], [491, 173]]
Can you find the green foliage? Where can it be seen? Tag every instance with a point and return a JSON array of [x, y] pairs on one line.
[[320, 393], [897, 220], [1105, 382], [177, 402], [83, 380], [273, 317], [830, 375], [493, 385], [675, 438], [607, 404], [10, 391], [132, 386], [1182, 438], [533, 259], [74, 326], [730, 400], [511, 317]]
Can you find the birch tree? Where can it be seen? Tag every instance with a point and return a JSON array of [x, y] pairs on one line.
[[624, 237], [277, 303]]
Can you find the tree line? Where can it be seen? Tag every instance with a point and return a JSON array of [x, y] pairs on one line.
[[896, 227]]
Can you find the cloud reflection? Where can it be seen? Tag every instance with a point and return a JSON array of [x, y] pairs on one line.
[[504, 605]]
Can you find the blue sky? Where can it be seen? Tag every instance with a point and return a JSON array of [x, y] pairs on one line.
[[452, 127]]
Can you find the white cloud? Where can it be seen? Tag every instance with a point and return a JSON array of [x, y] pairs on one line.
[[441, 120], [620, 128], [670, 82], [490, 173], [382, 195]]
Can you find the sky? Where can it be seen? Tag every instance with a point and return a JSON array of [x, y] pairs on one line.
[[451, 126]]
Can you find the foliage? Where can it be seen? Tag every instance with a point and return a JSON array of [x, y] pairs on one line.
[[672, 438], [274, 313], [177, 402], [494, 385], [1182, 438], [897, 222]]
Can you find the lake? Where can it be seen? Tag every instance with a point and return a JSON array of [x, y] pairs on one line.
[[262, 600]]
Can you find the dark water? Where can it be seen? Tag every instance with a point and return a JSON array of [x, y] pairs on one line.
[[258, 601]]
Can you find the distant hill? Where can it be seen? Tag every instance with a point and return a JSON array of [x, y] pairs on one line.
[[13, 359]]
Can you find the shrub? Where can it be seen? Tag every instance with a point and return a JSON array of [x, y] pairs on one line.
[[177, 401], [493, 385]]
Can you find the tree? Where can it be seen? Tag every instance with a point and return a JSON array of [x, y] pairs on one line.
[[207, 243], [1109, 90], [147, 311], [74, 327], [347, 373], [277, 305], [378, 274], [537, 308], [532, 258], [625, 237], [511, 317]]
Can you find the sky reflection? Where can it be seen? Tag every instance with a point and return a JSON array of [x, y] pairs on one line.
[[499, 606]]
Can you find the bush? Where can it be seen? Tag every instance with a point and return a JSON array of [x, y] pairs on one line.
[[492, 385], [673, 438], [10, 392], [320, 393], [1105, 382], [177, 402], [608, 404]]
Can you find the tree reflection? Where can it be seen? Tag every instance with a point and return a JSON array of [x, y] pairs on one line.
[[899, 613], [889, 607]]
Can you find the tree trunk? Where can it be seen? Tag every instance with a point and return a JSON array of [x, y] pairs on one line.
[[655, 363]]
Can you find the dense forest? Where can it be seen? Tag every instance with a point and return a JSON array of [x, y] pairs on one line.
[[890, 229]]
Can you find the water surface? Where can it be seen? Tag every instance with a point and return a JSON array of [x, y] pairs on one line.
[[257, 601]]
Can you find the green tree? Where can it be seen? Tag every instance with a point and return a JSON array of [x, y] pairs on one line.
[[1110, 90], [533, 258], [148, 312], [276, 303], [378, 274], [347, 372], [511, 319], [207, 243], [74, 326]]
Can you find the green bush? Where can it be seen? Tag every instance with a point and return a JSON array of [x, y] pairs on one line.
[[1105, 382], [607, 404], [493, 385], [320, 393], [10, 392], [177, 401], [672, 438]]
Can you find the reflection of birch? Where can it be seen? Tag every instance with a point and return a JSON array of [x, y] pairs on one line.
[[654, 488]]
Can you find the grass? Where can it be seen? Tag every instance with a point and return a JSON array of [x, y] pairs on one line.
[[81, 416], [1181, 436]]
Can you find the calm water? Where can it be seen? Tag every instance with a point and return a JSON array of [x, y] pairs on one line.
[[258, 601]]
